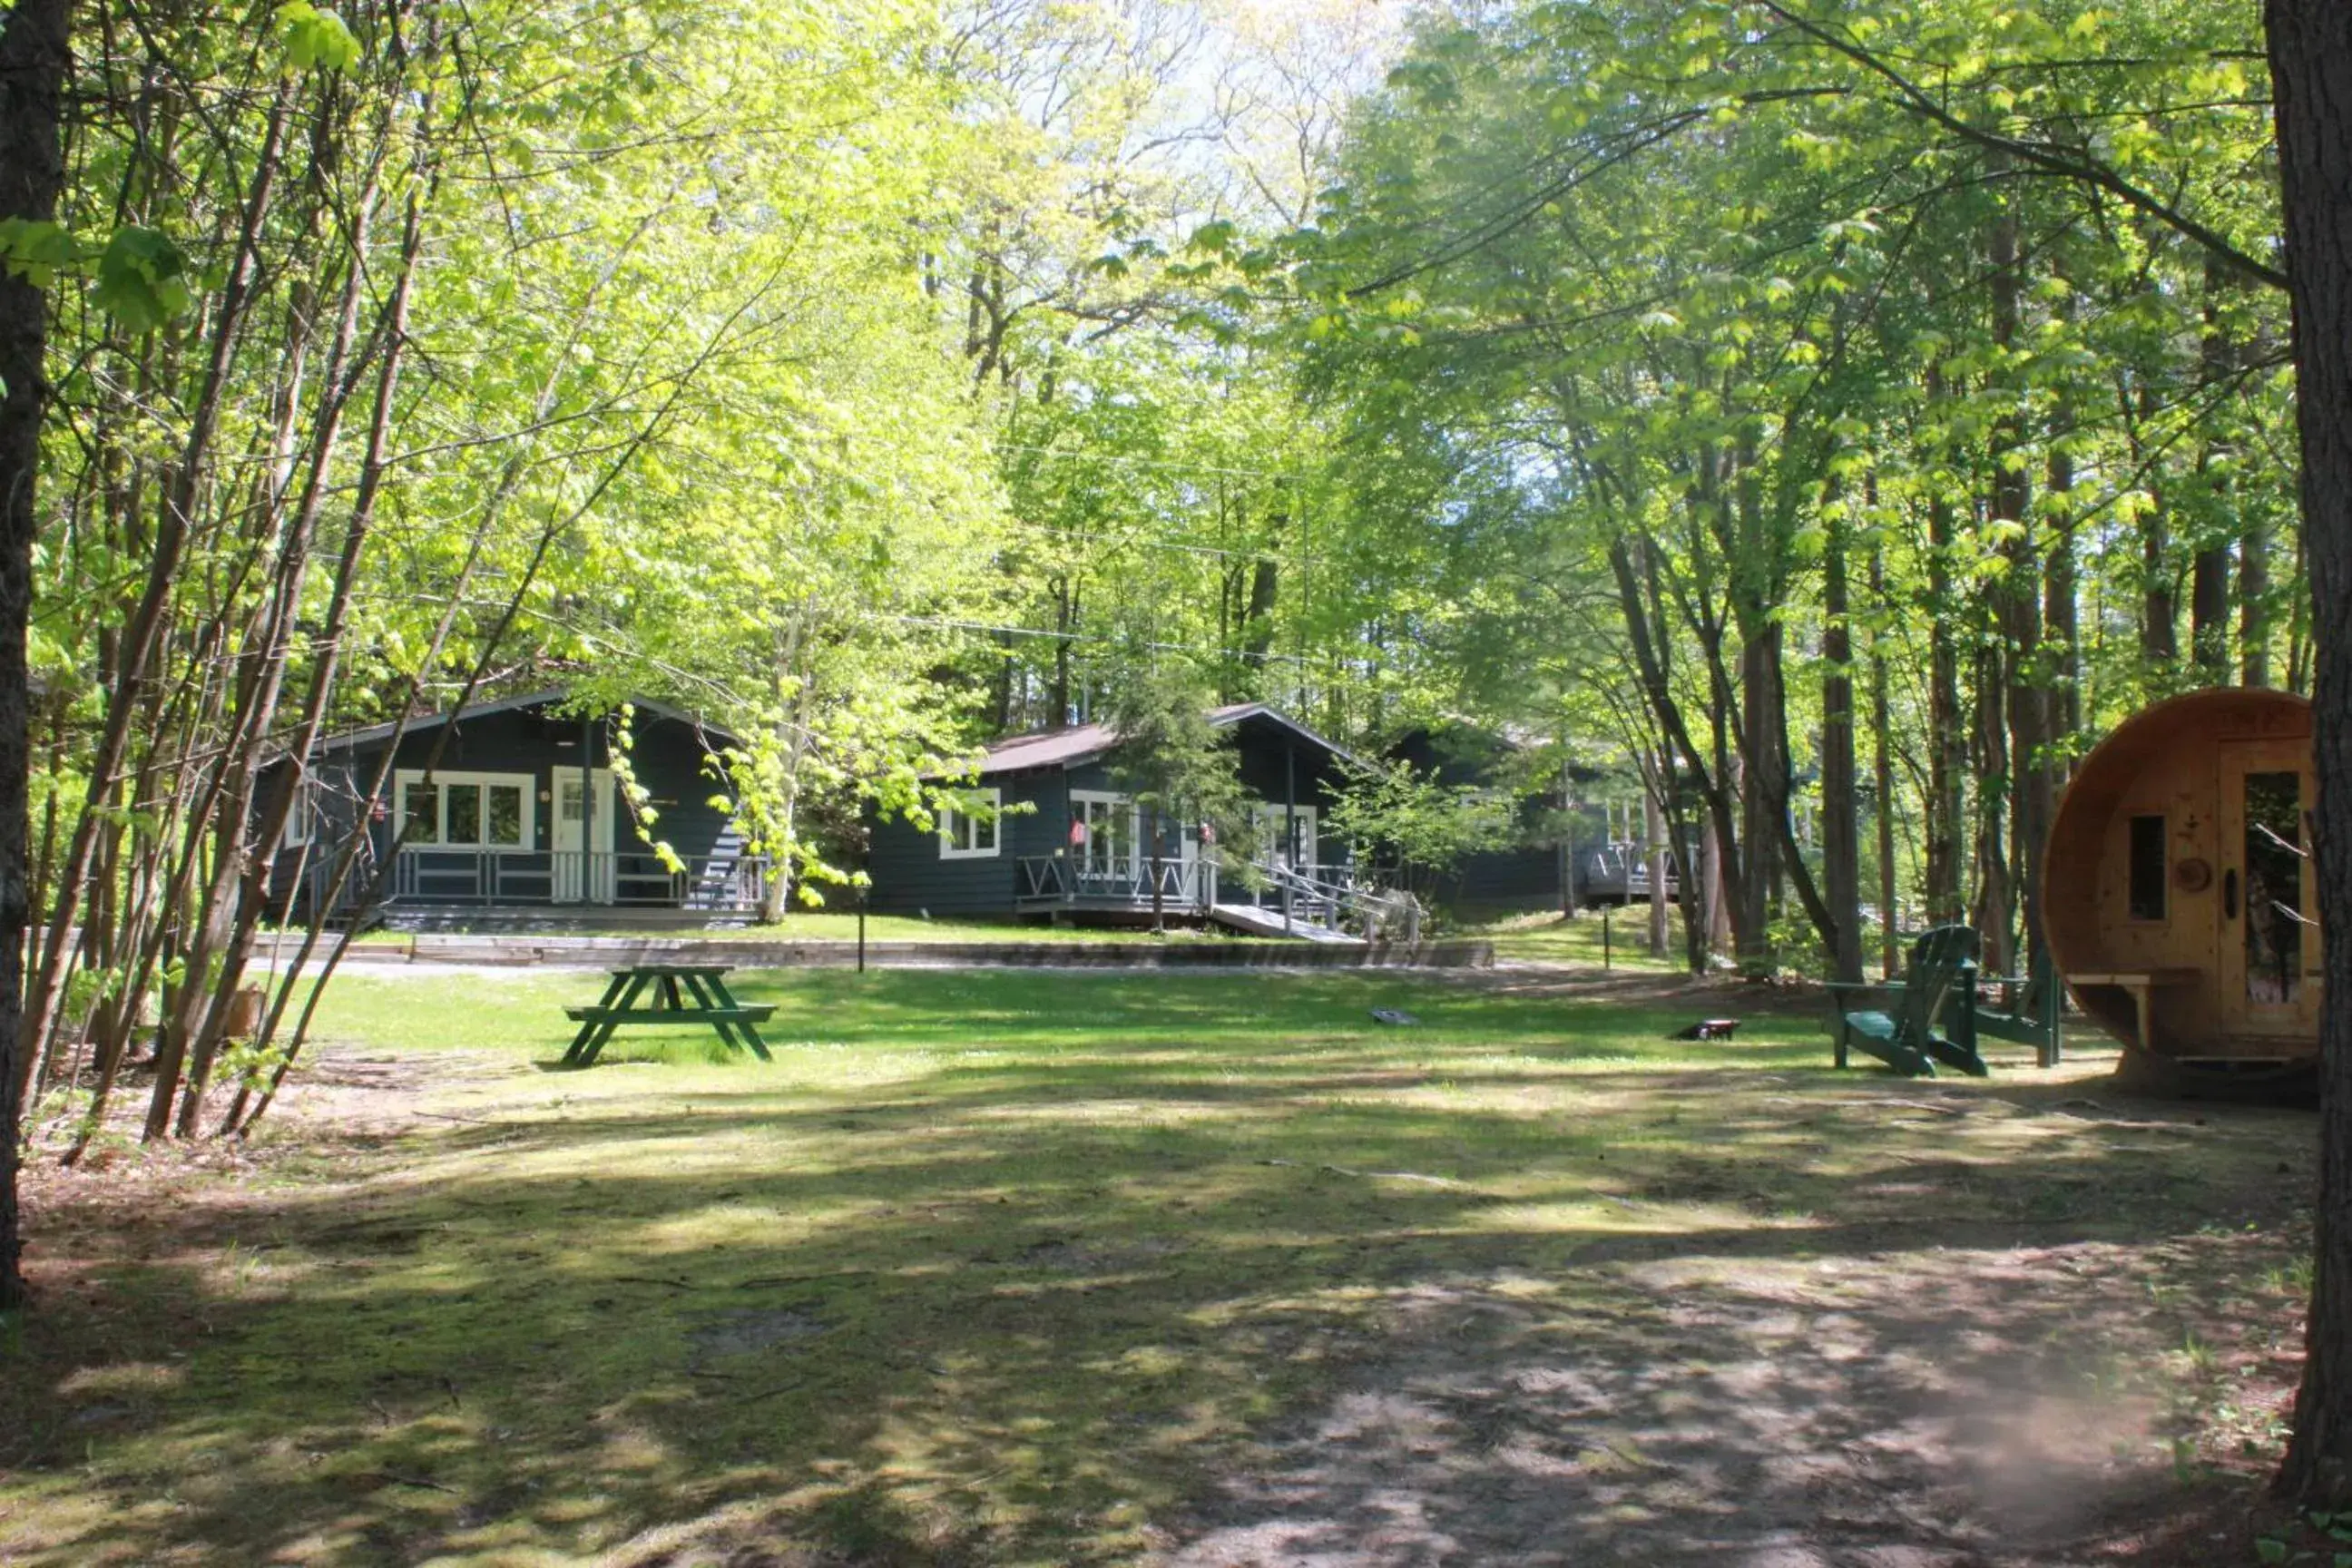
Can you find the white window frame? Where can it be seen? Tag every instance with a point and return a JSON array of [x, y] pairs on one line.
[[302, 821], [1268, 819], [407, 778], [960, 831], [1083, 853]]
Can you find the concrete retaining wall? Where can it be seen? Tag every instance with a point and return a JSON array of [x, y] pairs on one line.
[[606, 952]]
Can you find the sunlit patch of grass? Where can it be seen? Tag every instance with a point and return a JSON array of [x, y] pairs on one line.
[[986, 1266], [1618, 939]]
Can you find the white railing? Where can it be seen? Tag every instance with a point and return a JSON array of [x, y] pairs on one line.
[[1067, 880], [434, 874]]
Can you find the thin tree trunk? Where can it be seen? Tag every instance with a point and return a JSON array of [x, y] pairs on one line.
[[1947, 731], [1881, 726], [2311, 75], [2019, 612], [1841, 819], [1996, 899], [2209, 571], [2253, 604], [1654, 835], [191, 468]]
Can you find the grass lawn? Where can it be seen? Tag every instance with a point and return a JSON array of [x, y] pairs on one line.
[[1018, 1267], [1621, 940]]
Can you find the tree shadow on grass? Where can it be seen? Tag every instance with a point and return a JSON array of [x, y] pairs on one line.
[[1037, 1310]]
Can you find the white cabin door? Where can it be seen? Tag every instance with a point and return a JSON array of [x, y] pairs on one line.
[[1106, 847], [583, 878]]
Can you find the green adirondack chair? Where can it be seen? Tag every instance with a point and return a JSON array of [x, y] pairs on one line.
[[1939, 983]]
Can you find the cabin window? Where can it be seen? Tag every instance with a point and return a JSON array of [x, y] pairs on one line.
[[2274, 873], [302, 820], [2148, 867], [970, 832], [1300, 851], [470, 811]]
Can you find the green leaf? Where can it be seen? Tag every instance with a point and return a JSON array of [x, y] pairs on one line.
[[315, 40], [142, 279], [36, 250], [2270, 1549]]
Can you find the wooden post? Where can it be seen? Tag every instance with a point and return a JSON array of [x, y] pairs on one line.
[[1606, 910], [587, 808], [1287, 855], [1654, 829]]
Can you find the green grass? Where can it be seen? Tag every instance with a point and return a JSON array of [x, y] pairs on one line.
[[986, 1268], [1620, 939]]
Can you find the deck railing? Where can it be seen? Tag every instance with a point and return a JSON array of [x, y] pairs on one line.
[[1063, 878], [1331, 899], [433, 874], [1622, 871]]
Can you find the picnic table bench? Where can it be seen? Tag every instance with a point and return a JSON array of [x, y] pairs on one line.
[[662, 985]]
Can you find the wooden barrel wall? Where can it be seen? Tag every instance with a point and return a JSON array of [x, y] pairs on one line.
[[2150, 886]]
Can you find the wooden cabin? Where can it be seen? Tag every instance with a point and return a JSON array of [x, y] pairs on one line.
[[483, 816], [1063, 837], [1577, 843], [2180, 901]]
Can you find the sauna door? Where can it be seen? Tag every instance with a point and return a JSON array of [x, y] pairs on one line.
[[2269, 906]]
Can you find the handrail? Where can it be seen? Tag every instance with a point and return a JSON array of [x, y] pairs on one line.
[[486, 877], [1367, 907], [1178, 883]]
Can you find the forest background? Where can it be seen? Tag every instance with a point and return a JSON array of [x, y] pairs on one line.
[[1832, 419]]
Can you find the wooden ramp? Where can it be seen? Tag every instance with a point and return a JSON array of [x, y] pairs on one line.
[[1259, 921]]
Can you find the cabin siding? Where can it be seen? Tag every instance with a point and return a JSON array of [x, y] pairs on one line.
[[1527, 878], [667, 758], [911, 876]]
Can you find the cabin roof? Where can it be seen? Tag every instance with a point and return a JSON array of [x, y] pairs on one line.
[[1075, 744], [351, 739]]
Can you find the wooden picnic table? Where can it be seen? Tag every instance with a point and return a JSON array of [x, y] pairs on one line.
[[660, 983]]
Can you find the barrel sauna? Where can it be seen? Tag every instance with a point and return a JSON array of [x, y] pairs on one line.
[[2179, 898]]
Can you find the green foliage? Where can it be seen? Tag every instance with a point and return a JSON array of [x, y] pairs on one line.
[[1180, 767], [314, 39], [142, 279], [1394, 812]]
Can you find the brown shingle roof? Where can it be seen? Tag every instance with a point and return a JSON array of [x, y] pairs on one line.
[[1084, 742]]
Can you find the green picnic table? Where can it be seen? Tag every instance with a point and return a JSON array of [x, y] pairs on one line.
[[658, 984]]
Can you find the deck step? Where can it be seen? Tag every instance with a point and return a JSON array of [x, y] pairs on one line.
[[1259, 921]]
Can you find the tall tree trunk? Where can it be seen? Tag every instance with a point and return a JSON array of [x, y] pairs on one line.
[[32, 60], [2311, 76], [1996, 899], [2159, 630], [1653, 837], [2061, 620], [2253, 604], [1881, 726], [1841, 819], [1064, 617], [2018, 607], [2209, 571], [1947, 731]]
